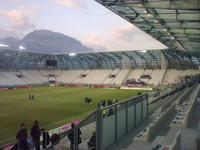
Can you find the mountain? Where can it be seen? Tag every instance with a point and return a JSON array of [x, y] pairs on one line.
[[45, 41]]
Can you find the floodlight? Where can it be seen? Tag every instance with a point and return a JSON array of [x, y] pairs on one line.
[[21, 47], [143, 51], [72, 54], [4, 45]]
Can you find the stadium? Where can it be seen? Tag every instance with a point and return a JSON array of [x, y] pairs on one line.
[[130, 100]]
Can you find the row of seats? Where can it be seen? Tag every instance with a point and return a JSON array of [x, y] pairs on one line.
[[151, 130], [173, 75], [24, 77], [185, 95], [156, 75], [172, 141], [95, 77], [184, 111], [99, 77], [69, 76]]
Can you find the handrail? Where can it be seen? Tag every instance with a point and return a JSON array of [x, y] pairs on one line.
[[124, 101]]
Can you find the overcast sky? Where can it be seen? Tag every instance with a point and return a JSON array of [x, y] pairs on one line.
[[86, 20]]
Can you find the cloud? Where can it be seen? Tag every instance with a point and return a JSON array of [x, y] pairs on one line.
[[19, 19], [10, 33], [75, 4], [125, 33], [15, 1], [95, 42], [125, 37]]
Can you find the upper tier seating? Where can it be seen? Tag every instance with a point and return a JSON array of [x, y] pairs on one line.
[[156, 77], [98, 77], [120, 76], [136, 74], [4, 80], [112, 75], [33, 76], [95, 77], [69, 76], [173, 75]]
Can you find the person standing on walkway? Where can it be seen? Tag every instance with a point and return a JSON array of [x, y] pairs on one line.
[[22, 136], [35, 134]]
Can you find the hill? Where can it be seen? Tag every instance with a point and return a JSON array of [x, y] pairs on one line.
[[45, 41]]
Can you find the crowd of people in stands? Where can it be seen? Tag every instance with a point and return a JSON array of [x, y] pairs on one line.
[[135, 83], [145, 76]]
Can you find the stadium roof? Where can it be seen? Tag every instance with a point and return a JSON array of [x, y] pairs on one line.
[[16, 60], [175, 23]]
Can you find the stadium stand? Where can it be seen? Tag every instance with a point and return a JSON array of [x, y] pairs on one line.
[[153, 128], [33, 76], [69, 76], [157, 77], [95, 77], [184, 111], [171, 76], [120, 77], [110, 77], [136, 74]]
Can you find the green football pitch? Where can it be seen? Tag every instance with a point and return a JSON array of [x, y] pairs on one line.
[[53, 106]]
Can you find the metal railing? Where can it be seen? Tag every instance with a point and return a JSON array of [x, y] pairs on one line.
[[115, 121]]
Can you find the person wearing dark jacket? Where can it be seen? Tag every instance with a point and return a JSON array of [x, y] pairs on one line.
[[46, 138], [22, 137], [35, 134], [92, 142], [72, 138]]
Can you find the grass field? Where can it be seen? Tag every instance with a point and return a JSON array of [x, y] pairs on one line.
[[54, 106]]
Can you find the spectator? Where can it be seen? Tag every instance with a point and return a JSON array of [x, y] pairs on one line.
[[55, 138], [90, 102], [72, 137], [104, 113], [99, 105], [35, 134], [104, 103], [22, 137], [46, 138], [92, 142], [87, 100], [30, 96], [110, 102]]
